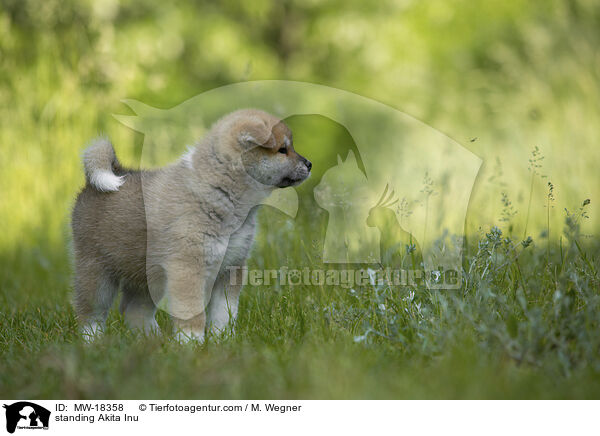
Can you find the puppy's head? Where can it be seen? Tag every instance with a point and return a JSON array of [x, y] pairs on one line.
[[267, 149]]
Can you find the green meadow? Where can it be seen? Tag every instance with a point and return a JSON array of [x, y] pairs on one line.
[[515, 82]]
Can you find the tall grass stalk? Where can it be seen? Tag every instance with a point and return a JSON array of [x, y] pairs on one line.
[[534, 164]]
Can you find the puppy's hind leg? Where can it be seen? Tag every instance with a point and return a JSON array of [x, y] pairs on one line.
[[95, 291], [138, 309]]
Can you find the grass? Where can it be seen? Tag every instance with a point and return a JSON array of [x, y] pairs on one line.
[[520, 328]]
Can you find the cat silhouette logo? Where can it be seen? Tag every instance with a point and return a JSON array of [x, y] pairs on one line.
[[399, 200], [26, 415]]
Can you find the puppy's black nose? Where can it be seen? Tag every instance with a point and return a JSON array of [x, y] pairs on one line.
[[308, 164]]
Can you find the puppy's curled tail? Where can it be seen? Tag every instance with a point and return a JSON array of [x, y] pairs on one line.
[[100, 162]]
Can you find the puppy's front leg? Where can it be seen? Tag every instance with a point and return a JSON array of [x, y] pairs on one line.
[[224, 300], [185, 289]]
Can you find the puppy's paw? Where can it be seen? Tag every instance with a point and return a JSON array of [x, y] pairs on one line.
[[151, 328], [191, 329], [184, 337], [147, 327], [90, 331]]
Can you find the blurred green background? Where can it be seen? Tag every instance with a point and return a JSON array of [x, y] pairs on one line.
[[512, 74], [498, 76]]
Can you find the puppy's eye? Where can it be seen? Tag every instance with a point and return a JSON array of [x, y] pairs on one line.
[[282, 150]]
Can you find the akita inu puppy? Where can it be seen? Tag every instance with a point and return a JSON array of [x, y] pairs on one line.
[[175, 231]]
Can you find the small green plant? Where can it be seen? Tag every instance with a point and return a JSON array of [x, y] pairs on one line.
[[535, 163], [428, 191], [549, 201], [508, 212]]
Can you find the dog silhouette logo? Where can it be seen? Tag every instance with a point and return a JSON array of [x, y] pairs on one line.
[[431, 175], [344, 193], [26, 415]]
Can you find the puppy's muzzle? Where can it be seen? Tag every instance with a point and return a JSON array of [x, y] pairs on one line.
[[300, 174]]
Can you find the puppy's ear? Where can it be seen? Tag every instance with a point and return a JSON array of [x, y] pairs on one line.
[[255, 133]]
